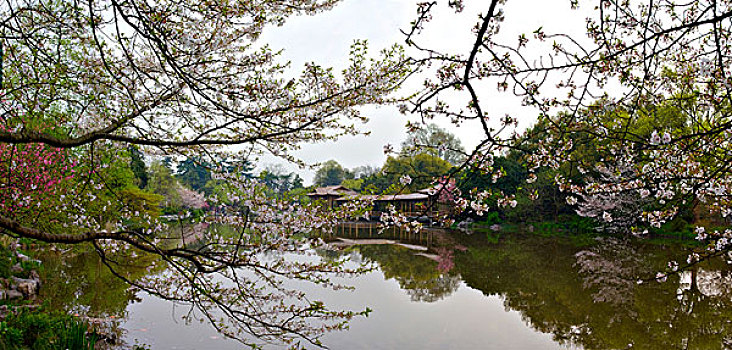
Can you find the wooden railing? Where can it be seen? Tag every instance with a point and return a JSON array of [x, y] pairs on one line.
[[363, 230]]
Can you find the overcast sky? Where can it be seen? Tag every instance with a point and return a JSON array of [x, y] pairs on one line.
[[326, 38]]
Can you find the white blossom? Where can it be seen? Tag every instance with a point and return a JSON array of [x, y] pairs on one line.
[[607, 217], [666, 138], [405, 180], [655, 139]]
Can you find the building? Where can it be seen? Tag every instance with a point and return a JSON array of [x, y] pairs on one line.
[[421, 205], [329, 194], [412, 205]]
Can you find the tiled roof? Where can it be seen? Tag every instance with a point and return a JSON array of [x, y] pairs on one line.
[[431, 190], [336, 190], [385, 197]]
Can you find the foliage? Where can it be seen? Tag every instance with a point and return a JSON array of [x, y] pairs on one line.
[[489, 219], [117, 193], [353, 184], [331, 173], [378, 183], [163, 183], [194, 173], [433, 140], [7, 259], [513, 176], [32, 173], [191, 199], [138, 167], [278, 181], [41, 330], [423, 169], [299, 195]]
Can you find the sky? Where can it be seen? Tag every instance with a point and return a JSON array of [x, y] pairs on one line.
[[326, 38]]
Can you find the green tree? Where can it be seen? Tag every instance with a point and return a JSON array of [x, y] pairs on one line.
[[278, 181], [513, 176], [137, 165], [194, 173], [376, 183], [354, 184], [422, 168], [331, 173], [163, 183], [432, 139]]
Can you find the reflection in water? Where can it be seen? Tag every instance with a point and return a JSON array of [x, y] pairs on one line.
[[589, 296], [419, 276], [579, 295], [709, 283], [610, 269], [80, 284]]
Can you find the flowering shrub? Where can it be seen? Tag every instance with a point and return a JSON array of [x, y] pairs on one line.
[[33, 173]]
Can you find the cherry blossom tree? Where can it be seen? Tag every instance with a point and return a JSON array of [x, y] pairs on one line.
[[82, 81], [32, 172], [608, 85], [191, 199]]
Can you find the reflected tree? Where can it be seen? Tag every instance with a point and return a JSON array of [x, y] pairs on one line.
[[589, 295], [611, 269], [417, 275]]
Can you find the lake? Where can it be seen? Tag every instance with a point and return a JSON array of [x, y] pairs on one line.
[[466, 291]]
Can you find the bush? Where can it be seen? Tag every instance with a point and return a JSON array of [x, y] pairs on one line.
[[678, 227], [6, 261], [489, 218], [38, 330]]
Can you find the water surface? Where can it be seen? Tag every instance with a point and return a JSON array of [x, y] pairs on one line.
[[479, 291]]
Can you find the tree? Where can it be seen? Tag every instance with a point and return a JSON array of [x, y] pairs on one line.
[[331, 173], [423, 170], [194, 173], [632, 58], [191, 199], [138, 167], [183, 78], [163, 183], [375, 183], [354, 184], [275, 178], [405, 173], [432, 139], [31, 173]]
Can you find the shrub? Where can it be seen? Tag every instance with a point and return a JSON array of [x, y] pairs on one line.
[[38, 330]]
